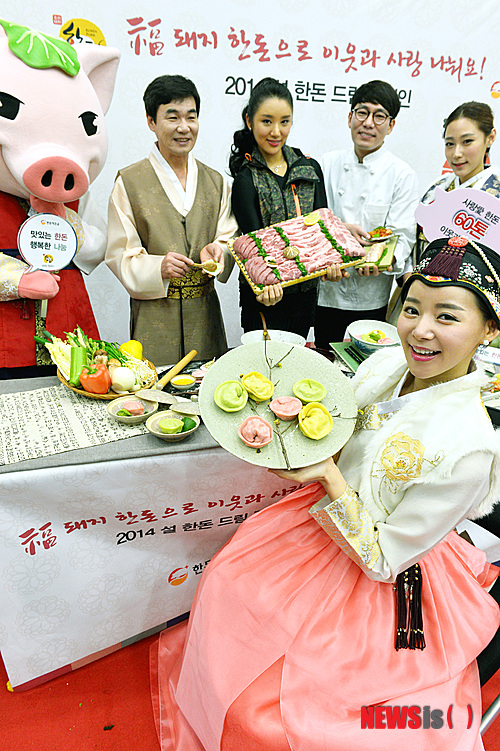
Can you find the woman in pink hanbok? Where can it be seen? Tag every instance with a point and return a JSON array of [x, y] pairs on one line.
[[349, 615]]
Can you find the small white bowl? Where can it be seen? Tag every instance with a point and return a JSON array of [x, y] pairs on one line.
[[276, 336], [183, 386], [152, 426], [357, 328], [117, 404]]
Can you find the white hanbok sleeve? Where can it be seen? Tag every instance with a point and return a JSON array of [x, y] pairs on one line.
[[139, 272], [428, 511]]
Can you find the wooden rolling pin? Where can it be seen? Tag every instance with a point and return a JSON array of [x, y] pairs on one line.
[[176, 369]]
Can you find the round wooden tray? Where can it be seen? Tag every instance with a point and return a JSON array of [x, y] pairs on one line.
[[110, 394]]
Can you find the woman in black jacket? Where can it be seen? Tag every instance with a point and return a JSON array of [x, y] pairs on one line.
[[272, 183]]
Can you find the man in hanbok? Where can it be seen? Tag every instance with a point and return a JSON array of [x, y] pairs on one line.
[[167, 213]]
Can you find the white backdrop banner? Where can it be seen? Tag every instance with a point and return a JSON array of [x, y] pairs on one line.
[[436, 55]]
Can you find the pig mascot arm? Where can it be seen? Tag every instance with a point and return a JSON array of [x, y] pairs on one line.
[[16, 282]]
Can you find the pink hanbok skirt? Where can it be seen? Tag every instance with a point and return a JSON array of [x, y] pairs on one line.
[[290, 647]]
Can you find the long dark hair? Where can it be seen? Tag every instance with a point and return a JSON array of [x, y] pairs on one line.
[[243, 140]]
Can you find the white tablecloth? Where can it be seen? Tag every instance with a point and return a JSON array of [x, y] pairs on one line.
[[93, 554]]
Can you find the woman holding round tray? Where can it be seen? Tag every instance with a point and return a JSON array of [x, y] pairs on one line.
[[468, 134], [273, 182], [349, 614]]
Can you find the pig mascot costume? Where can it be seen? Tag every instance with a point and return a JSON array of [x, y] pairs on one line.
[[53, 144]]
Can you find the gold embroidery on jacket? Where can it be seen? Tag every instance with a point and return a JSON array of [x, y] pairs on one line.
[[402, 460], [348, 523], [369, 418]]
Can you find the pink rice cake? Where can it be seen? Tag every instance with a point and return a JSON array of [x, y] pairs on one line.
[[319, 244]]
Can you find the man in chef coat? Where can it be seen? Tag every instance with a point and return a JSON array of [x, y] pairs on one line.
[[366, 187], [166, 212]]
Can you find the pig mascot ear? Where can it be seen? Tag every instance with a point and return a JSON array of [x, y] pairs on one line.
[[100, 64], [41, 51]]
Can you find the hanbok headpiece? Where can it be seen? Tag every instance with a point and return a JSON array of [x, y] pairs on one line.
[[460, 262]]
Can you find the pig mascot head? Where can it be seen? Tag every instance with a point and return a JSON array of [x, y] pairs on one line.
[[53, 97]]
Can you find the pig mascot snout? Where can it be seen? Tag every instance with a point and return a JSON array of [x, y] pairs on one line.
[[53, 144]]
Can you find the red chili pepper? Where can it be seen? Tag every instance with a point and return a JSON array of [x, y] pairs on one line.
[[96, 380]]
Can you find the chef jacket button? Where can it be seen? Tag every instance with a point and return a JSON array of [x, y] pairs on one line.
[[363, 196], [341, 192], [346, 167], [372, 172]]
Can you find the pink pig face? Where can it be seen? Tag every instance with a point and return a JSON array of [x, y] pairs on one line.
[[53, 140]]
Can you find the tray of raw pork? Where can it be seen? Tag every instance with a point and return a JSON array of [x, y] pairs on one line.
[[296, 250]]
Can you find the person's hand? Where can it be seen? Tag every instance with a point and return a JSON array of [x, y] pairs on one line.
[[212, 252], [38, 285], [325, 472], [270, 295], [175, 266], [334, 273], [359, 234], [367, 270], [313, 473]]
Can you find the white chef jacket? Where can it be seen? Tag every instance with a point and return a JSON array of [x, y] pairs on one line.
[[381, 190]]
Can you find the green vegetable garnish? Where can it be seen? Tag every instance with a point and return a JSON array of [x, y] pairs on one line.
[[124, 413], [78, 362], [189, 424]]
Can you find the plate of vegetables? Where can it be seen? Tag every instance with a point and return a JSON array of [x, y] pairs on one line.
[[380, 233], [98, 369]]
